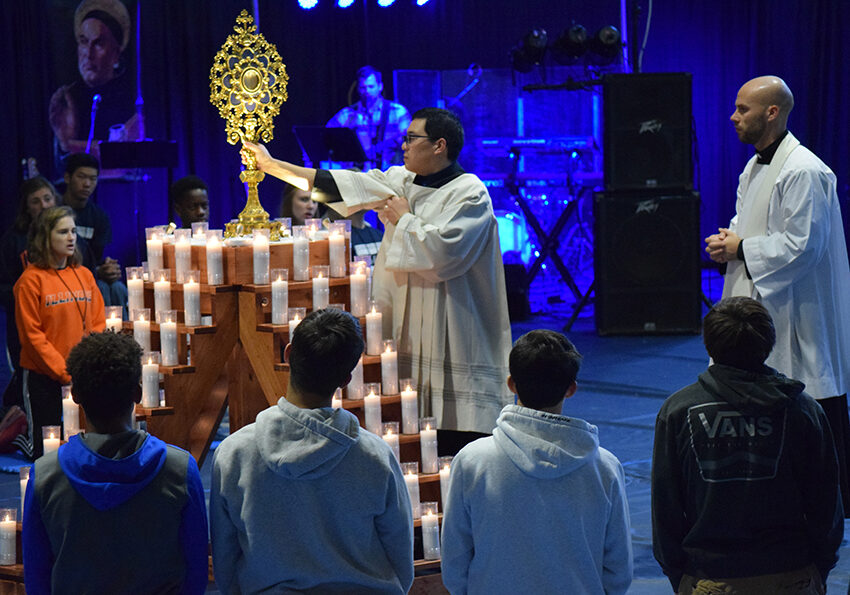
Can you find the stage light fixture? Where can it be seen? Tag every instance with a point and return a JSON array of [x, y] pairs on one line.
[[344, 3], [530, 50], [307, 4], [385, 3], [570, 45], [421, 2], [606, 44]]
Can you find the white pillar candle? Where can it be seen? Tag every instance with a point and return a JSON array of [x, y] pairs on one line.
[[182, 254], [411, 479], [161, 292], [154, 246], [372, 409], [150, 380], [24, 476], [114, 319], [70, 417], [409, 407], [336, 399], [336, 253], [50, 438], [358, 294], [215, 266], [374, 331], [321, 288], [430, 532], [300, 254], [142, 328], [261, 256], [192, 299], [8, 537], [280, 296], [135, 289], [389, 368], [445, 464], [354, 390], [428, 444], [199, 231], [296, 315], [389, 431], [168, 338]]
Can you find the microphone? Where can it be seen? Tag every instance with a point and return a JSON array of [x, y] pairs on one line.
[[94, 103]]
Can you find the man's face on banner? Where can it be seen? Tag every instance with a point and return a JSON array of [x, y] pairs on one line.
[[97, 53]]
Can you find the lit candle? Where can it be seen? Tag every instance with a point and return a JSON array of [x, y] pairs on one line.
[[411, 479], [389, 368], [336, 250], [114, 318], [135, 288], [300, 254], [150, 380], [428, 444], [321, 290], [336, 399], [280, 296], [142, 328], [445, 464], [70, 414], [8, 536], [430, 531], [374, 330], [215, 266], [372, 407], [182, 253], [390, 434], [192, 298], [199, 231], [50, 438], [354, 390], [154, 246], [409, 407], [161, 292], [168, 337], [358, 293], [296, 315], [261, 256], [24, 476]]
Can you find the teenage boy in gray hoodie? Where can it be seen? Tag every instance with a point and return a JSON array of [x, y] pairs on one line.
[[571, 534], [304, 500], [745, 492]]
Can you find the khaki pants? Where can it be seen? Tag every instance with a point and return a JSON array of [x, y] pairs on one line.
[[804, 581]]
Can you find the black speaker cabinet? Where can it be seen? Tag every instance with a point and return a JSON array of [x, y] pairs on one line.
[[647, 131], [647, 264]]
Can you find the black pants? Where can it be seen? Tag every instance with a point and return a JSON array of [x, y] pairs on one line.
[[835, 409], [43, 406]]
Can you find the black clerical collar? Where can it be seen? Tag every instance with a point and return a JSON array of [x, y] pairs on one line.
[[765, 156], [441, 178]]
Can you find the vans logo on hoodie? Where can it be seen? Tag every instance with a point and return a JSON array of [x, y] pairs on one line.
[[732, 446]]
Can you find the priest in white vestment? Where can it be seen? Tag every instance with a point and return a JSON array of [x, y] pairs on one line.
[[785, 247], [438, 276]]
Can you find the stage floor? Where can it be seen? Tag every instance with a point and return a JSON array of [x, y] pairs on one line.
[[622, 383]]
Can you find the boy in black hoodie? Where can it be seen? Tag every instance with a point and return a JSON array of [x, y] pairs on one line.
[[744, 472]]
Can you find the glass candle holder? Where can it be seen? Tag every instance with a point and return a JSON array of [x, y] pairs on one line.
[[300, 253], [199, 231], [372, 407], [154, 239], [321, 287], [168, 336], [409, 407], [354, 390], [430, 531], [161, 291], [428, 444], [280, 295], [359, 289], [182, 253], [192, 298], [114, 318], [142, 327], [336, 249], [389, 432], [285, 226], [262, 256], [410, 472], [24, 477], [374, 329], [445, 465], [389, 368], [150, 379], [135, 288], [336, 399], [296, 315], [8, 536], [70, 414], [215, 261], [51, 436]]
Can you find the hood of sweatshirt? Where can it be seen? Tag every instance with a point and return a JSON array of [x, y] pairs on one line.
[[108, 480], [750, 391], [543, 444], [304, 443]]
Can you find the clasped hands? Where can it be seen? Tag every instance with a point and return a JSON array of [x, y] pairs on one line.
[[392, 209], [723, 246]]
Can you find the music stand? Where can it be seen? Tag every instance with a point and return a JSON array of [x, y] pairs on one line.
[[320, 143], [137, 155]]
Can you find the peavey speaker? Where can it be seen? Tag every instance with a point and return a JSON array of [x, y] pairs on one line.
[[647, 264], [647, 131]]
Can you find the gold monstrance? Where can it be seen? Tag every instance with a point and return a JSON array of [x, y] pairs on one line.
[[247, 85]]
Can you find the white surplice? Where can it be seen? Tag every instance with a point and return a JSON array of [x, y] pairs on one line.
[[800, 271], [439, 280]]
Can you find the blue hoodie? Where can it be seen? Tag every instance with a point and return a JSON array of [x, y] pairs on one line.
[[538, 507], [115, 513], [304, 500]]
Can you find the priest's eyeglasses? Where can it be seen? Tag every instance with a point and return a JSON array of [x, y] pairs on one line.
[[408, 138]]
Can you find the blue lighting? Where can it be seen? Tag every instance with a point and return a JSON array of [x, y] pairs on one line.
[[307, 4], [344, 3], [385, 3]]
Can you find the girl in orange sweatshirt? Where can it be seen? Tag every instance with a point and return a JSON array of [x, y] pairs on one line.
[[57, 303]]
